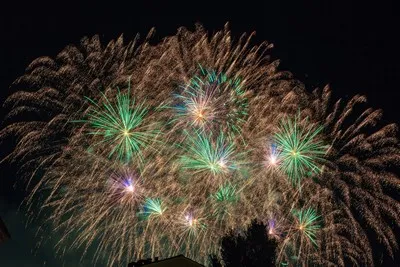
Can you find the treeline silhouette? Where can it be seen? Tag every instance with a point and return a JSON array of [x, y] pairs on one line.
[[253, 248]]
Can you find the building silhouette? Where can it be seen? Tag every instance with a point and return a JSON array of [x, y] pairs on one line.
[[177, 261]]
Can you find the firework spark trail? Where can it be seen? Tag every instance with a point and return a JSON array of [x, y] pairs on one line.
[[153, 150]]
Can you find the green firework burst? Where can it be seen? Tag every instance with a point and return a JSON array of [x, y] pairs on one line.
[[204, 154], [121, 125], [299, 149], [226, 194], [153, 207], [307, 223]]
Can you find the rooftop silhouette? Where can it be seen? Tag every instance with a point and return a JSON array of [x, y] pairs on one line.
[[177, 261]]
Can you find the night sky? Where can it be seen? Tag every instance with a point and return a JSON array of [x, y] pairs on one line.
[[352, 47]]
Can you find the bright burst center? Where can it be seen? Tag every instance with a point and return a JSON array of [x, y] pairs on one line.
[[219, 166], [272, 160], [270, 232], [190, 220], [130, 188], [222, 164], [200, 115], [126, 133]]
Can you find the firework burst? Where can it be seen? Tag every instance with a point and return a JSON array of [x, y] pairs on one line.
[[182, 154], [120, 126], [217, 156], [223, 199], [153, 207], [307, 223], [212, 102], [299, 150]]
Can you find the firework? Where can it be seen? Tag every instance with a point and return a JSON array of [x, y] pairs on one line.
[[120, 126], [226, 193], [154, 150], [205, 154], [355, 175], [212, 101], [273, 156], [299, 151], [223, 199], [306, 223], [153, 207]]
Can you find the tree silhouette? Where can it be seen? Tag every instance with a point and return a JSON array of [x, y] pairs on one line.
[[250, 249]]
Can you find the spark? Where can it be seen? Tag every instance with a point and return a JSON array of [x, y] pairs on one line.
[[124, 186], [271, 227], [190, 220], [272, 158]]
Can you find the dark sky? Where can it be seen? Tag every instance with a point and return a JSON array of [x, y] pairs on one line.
[[353, 47]]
